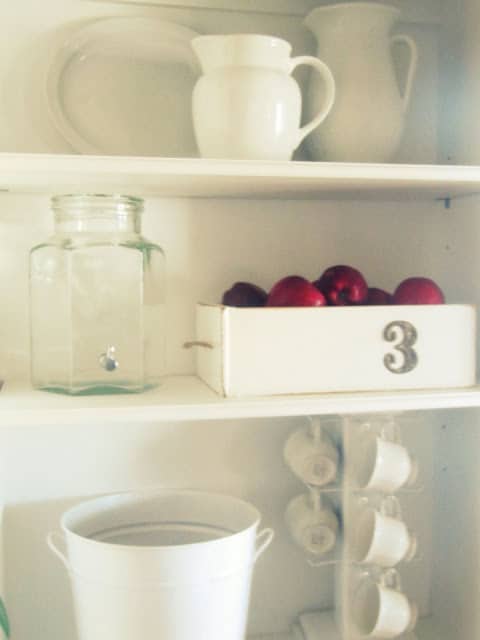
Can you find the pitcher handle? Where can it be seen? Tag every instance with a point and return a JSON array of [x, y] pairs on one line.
[[327, 76], [412, 69], [263, 539], [51, 538]]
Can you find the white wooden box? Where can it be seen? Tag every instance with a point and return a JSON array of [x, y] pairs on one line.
[[269, 351]]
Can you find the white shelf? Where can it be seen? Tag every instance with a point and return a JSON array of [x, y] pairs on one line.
[[194, 177], [411, 11], [277, 7], [183, 398]]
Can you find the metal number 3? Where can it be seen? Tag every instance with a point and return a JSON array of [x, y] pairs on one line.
[[407, 335]]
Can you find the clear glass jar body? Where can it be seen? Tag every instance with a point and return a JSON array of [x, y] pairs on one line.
[[97, 298]]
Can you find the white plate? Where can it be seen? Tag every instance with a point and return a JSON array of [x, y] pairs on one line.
[[24, 104], [123, 86]]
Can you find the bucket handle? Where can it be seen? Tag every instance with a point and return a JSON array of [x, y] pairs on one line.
[[53, 536], [263, 539]]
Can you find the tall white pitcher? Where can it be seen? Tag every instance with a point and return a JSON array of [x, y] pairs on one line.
[[367, 120], [246, 105]]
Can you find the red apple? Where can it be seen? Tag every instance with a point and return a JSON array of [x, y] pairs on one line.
[[244, 294], [342, 285], [295, 291], [378, 296], [418, 291]]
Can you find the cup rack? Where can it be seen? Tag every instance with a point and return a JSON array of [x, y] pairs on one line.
[[351, 574], [350, 499]]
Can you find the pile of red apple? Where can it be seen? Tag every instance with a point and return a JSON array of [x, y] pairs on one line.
[[338, 286]]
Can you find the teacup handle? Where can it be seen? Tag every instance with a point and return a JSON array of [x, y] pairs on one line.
[[263, 540], [391, 580], [391, 431], [412, 69], [316, 430], [327, 76], [390, 506], [53, 539]]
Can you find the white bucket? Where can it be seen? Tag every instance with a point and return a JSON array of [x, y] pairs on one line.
[[169, 565]]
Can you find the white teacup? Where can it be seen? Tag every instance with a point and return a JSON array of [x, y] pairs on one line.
[[381, 610], [381, 537], [383, 465], [312, 524], [312, 457]]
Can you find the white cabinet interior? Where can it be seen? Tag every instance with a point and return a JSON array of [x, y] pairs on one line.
[[221, 222]]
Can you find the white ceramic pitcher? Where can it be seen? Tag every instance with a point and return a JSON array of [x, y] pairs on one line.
[[367, 121], [247, 105]]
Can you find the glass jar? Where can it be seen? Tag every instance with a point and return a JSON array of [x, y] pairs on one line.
[[97, 300]]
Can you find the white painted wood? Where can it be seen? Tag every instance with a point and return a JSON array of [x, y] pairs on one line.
[[456, 506], [183, 398], [45, 174], [254, 351], [462, 102]]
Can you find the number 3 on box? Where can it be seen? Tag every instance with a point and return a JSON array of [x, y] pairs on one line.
[[406, 335]]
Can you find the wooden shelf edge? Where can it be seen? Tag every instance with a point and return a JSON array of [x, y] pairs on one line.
[[186, 398], [411, 12], [197, 177]]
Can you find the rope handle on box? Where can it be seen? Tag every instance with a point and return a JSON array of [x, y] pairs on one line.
[[197, 343]]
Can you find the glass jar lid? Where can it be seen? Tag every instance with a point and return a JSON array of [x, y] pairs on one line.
[[96, 203], [97, 213]]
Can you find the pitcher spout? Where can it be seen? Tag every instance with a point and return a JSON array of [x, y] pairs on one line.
[[210, 51]]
